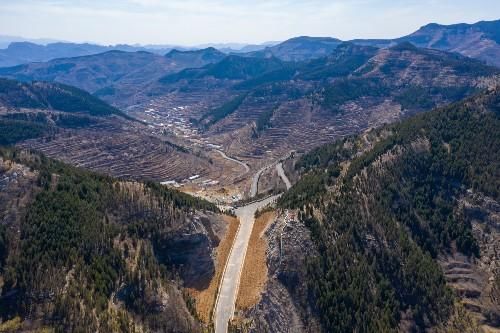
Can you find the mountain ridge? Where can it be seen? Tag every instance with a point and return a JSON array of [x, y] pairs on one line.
[[88, 241], [55, 96], [299, 48], [100, 72], [26, 52], [479, 40], [387, 210]]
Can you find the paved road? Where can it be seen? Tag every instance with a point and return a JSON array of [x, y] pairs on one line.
[[247, 168], [281, 173], [224, 308], [255, 180]]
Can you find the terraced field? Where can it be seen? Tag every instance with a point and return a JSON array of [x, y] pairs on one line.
[[121, 151], [297, 125]]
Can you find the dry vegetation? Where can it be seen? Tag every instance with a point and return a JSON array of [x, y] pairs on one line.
[[254, 274], [125, 152], [205, 299], [460, 321]]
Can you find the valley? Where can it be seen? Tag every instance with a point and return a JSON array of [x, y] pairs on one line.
[[312, 185]]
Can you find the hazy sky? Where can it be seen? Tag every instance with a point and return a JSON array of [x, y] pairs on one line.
[[190, 22]]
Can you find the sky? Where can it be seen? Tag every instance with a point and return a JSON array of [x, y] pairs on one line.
[[194, 22]]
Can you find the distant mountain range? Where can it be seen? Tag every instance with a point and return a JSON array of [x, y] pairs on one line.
[[237, 47], [5, 40], [16, 50], [25, 52], [118, 75], [103, 70], [480, 40], [300, 48], [403, 62]]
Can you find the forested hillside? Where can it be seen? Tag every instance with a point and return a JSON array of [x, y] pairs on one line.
[[44, 95], [384, 210], [231, 67], [80, 252], [41, 109], [195, 58]]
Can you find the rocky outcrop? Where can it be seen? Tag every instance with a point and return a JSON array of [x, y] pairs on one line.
[[476, 280], [284, 305], [190, 250]]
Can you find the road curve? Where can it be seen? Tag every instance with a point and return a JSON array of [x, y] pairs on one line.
[[228, 290], [281, 173], [247, 168], [255, 180]]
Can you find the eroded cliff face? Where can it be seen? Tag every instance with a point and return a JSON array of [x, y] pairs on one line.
[[191, 250], [284, 303]]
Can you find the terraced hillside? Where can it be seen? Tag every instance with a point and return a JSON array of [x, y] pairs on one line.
[[302, 105], [71, 125], [287, 105], [256, 109], [112, 148], [396, 229]]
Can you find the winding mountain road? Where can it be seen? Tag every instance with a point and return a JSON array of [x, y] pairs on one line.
[[279, 167], [255, 180], [247, 168]]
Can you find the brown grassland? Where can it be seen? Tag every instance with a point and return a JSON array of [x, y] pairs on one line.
[[254, 274]]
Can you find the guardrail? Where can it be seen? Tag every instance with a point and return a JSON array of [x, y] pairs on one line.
[[246, 203]]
